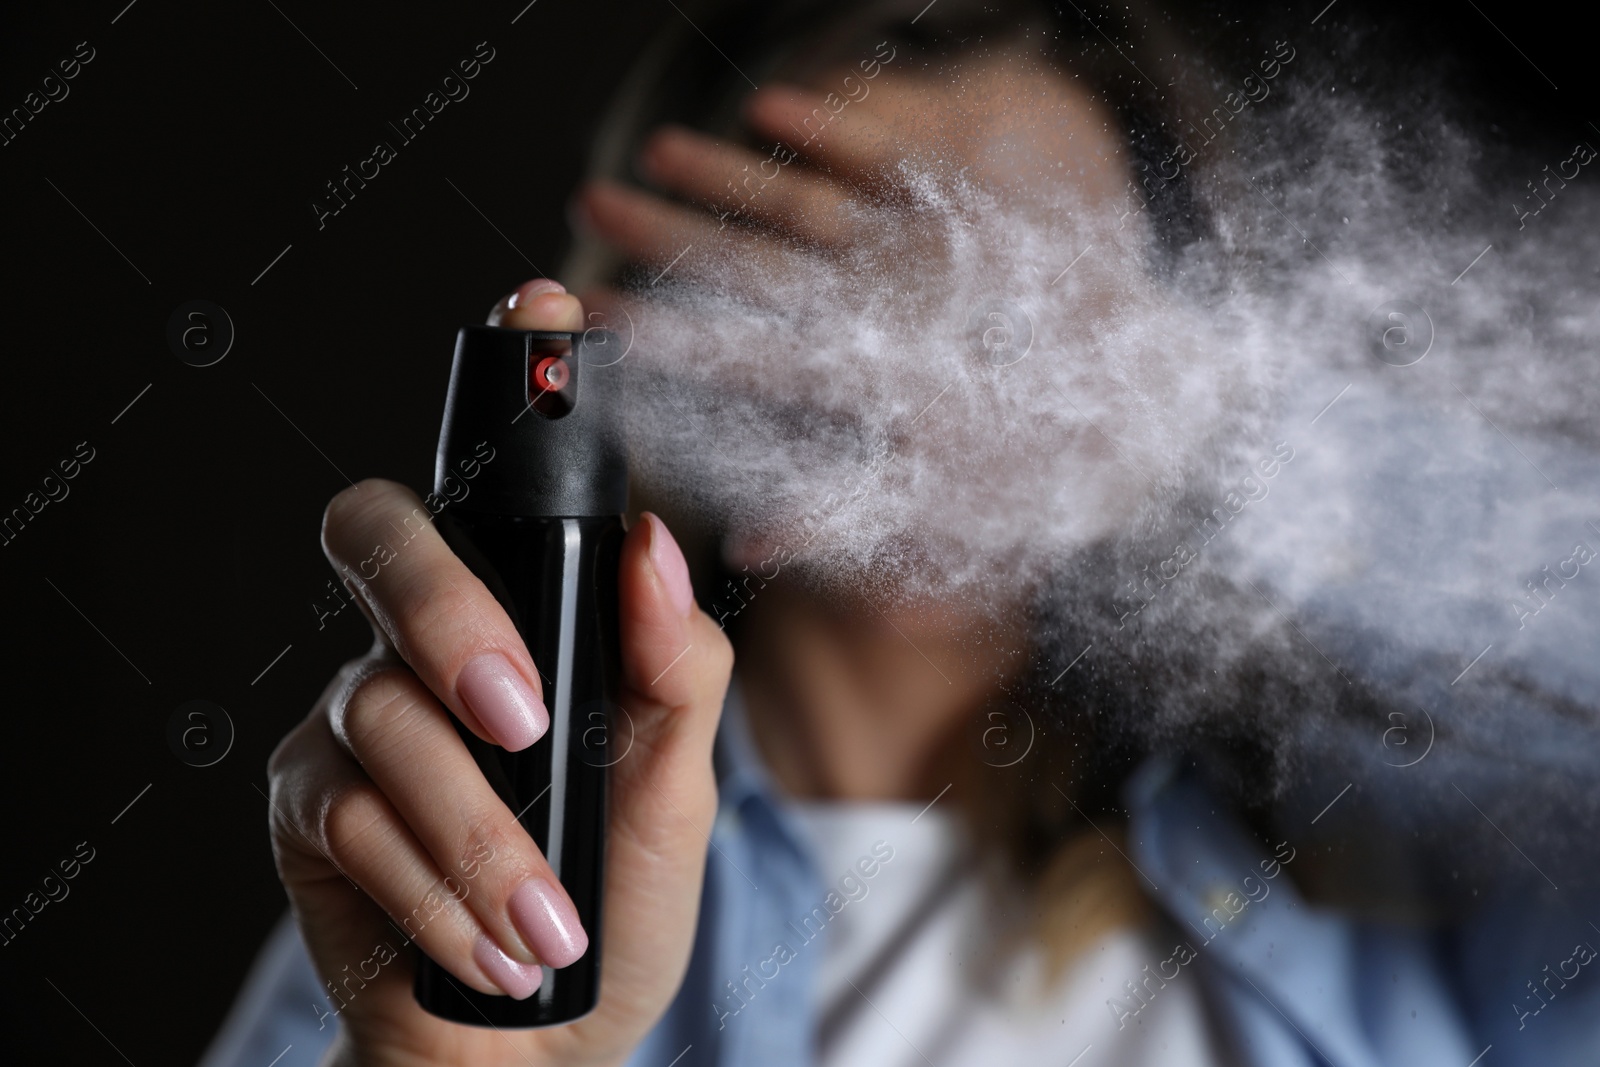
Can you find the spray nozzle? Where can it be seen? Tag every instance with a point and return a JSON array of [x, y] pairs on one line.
[[518, 392], [551, 387]]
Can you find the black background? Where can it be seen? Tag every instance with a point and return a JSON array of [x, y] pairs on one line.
[[196, 141], [186, 557]]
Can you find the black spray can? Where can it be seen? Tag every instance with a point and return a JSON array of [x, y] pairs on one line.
[[542, 528]]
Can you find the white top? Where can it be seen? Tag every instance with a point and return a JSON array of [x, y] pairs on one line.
[[899, 983]]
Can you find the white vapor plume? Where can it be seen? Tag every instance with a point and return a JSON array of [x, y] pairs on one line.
[[1339, 452]]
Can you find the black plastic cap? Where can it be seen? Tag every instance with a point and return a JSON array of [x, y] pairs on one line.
[[545, 451]]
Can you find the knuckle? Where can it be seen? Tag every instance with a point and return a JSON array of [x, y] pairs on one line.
[[280, 825], [300, 744], [447, 619], [719, 655], [375, 707], [348, 503], [492, 837], [432, 605], [348, 814], [352, 506]]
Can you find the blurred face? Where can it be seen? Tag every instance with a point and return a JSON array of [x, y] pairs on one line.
[[901, 331]]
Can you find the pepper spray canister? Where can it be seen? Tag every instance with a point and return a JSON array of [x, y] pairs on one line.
[[541, 526]]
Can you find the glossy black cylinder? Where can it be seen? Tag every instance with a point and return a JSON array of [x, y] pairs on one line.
[[557, 579], [532, 461]]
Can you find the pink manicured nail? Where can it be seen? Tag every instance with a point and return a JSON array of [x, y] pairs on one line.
[[546, 920], [519, 980], [498, 312], [538, 287], [503, 701], [667, 558]]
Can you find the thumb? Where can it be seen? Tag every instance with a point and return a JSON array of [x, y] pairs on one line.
[[540, 304]]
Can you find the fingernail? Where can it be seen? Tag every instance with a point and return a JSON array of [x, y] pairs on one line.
[[667, 558], [519, 980], [498, 312], [537, 287], [547, 921], [503, 701]]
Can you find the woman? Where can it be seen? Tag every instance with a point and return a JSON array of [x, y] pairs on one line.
[[910, 832]]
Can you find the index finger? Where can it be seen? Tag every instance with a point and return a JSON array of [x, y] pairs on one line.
[[426, 603], [856, 142], [434, 612]]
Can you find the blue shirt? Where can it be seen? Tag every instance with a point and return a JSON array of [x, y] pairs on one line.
[[1286, 983]]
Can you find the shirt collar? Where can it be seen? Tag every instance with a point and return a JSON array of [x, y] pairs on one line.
[[741, 773]]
